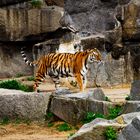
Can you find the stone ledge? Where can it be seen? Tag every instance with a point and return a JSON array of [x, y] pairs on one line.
[[72, 108], [18, 104], [18, 23]]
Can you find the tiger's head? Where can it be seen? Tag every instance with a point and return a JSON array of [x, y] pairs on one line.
[[94, 55]]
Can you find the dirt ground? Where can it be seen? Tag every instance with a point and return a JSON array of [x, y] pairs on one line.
[[32, 132]]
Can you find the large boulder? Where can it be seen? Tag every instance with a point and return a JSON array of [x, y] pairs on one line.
[[131, 106], [135, 90], [131, 20], [72, 108], [18, 104], [131, 131], [95, 130]]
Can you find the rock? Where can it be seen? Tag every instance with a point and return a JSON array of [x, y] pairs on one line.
[[131, 131], [17, 104], [55, 2], [135, 90], [7, 2], [12, 64], [131, 106], [14, 21], [125, 119], [131, 20], [73, 107], [95, 130]]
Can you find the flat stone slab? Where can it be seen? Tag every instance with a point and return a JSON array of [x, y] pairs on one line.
[[72, 108], [25, 105]]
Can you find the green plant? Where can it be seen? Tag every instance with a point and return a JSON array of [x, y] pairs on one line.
[[50, 124], [114, 112], [36, 3], [64, 127], [91, 116], [13, 84], [27, 121], [49, 115], [107, 99], [110, 133], [5, 121], [128, 97], [71, 134], [31, 78], [19, 75], [17, 121]]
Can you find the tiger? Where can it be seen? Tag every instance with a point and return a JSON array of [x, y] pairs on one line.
[[58, 65]]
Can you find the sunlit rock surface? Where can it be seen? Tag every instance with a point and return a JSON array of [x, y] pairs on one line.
[[17, 22], [27, 106]]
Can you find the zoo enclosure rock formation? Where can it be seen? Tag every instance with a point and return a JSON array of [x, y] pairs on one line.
[[131, 131], [16, 23], [72, 108], [15, 104], [8, 2]]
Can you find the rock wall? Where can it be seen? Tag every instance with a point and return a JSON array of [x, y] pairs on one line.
[[11, 62], [16, 23]]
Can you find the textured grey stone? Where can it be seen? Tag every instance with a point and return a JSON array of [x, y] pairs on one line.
[[11, 63], [14, 21], [72, 108], [126, 118], [94, 130], [135, 90], [131, 106], [131, 131], [17, 104]]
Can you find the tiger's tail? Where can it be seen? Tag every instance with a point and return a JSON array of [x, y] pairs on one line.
[[34, 63]]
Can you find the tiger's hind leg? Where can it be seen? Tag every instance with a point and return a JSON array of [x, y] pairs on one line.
[[79, 79], [84, 81], [56, 82]]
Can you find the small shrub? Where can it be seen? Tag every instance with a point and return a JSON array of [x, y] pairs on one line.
[[49, 115], [17, 121], [27, 121], [36, 3], [114, 112], [50, 124], [31, 78], [64, 127], [71, 134], [19, 75], [13, 84], [5, 121], [91, 116], [110, 133], [128, 97], [107, 99]]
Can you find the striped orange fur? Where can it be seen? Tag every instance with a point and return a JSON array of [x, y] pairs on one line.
[[64, 65]]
